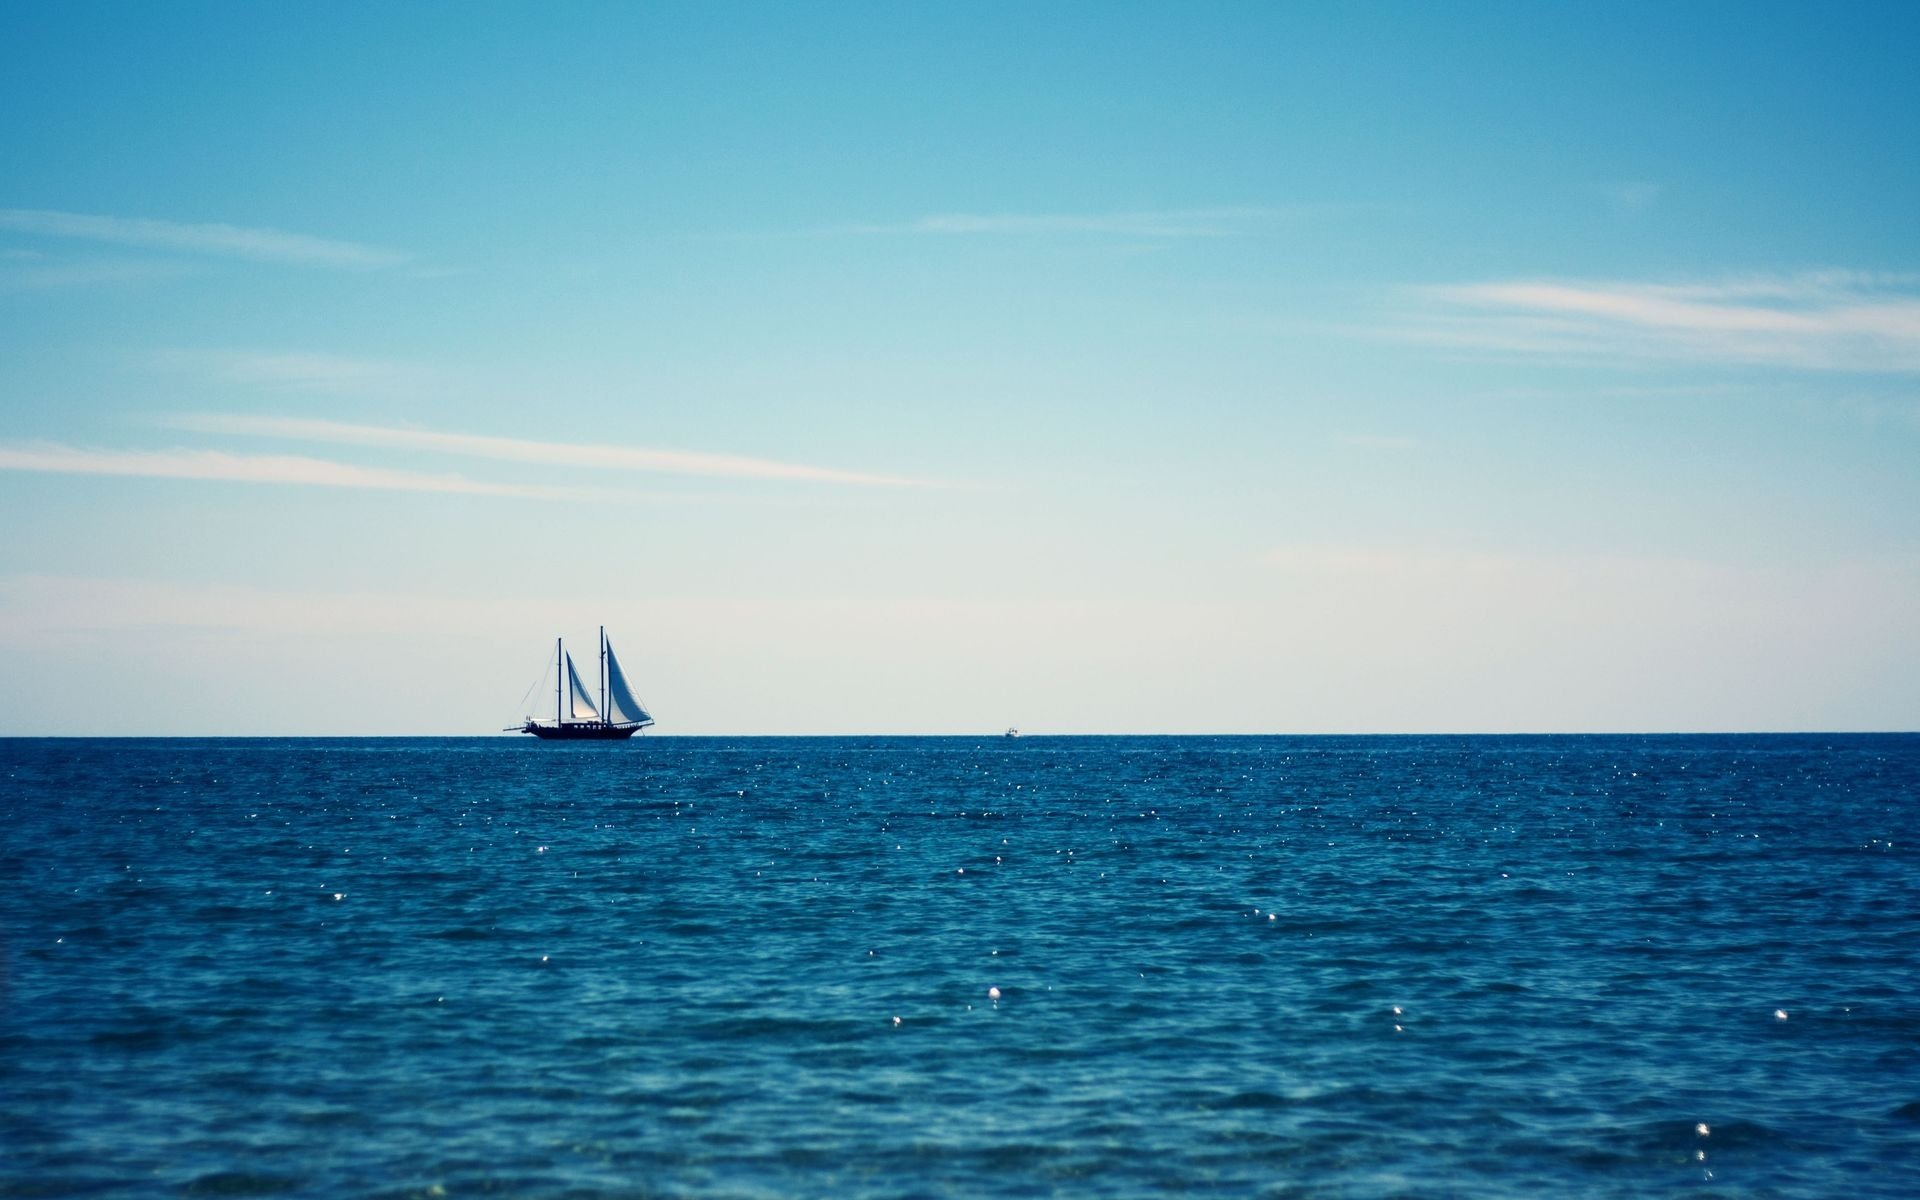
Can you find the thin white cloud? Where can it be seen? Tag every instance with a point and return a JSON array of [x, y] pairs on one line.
[[1832, 320], [1171, 223], [54, 458], [223, 241], [564, 454], [298, 370], [29, 273], [43, 605], [1633, 196], [1376, 441]]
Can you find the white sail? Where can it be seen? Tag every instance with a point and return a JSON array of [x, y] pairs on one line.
[[620, 696], [581, 707]]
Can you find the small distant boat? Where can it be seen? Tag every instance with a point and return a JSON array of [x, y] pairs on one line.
[[1012, 732], [575, 715]]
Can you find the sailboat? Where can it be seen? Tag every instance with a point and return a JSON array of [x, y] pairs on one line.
[[575, 714]]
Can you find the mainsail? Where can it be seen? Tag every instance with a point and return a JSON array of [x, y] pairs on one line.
[[620, 697], [582, 706]]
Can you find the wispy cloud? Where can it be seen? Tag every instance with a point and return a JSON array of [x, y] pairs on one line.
[[1633, 196], [298, 370], [565, 454], [223, 241], [35, 272], [1830, 320], [54, 458], [50, 605], [1376, 441], [1168, 223]]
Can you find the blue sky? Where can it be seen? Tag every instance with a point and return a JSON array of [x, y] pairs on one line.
[[891, 368]]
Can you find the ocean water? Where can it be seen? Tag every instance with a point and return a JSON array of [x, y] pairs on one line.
[[1343, 967]]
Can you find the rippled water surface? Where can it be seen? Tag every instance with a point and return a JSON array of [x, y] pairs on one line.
[[764, 967]]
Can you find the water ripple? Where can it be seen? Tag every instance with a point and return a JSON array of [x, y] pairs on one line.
[[902, 967]]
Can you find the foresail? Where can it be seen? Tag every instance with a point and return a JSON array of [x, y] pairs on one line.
[[620, 696], [582, 706]]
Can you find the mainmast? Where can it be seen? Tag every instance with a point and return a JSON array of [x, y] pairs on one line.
[[604, 714], [559, 678]]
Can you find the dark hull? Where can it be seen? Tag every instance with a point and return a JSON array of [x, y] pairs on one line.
[[580, 732]]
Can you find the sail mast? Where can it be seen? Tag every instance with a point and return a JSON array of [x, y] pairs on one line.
[[559, 678], [604, 714]]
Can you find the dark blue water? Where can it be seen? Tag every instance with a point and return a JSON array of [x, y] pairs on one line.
[[687, 967]]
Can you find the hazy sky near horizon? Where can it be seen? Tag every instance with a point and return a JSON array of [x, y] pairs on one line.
[[901, 368]]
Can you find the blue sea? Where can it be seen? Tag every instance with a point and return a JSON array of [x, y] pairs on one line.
[[1251, 966]]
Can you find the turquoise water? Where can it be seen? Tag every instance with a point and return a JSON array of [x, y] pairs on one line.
[[1592, 966]]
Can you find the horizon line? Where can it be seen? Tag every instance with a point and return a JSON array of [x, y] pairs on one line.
[[1023, 736]]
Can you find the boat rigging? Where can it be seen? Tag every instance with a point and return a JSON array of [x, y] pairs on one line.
[[576, 715]]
